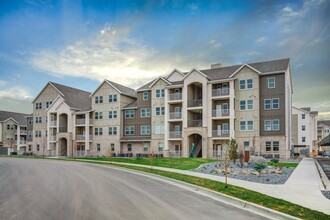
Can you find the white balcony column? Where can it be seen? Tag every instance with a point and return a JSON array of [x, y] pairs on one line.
[[209, 110], [18, 137], [167, 113], [231, 109], [48, 130], [87, 131], [74, 118]]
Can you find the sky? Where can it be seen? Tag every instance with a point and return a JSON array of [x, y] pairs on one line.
[[81, 43]]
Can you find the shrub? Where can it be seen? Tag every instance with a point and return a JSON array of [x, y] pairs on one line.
[[274, 161], [259, 166]]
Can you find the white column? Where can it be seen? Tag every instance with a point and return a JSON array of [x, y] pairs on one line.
[[231, 109], [209, 110], [87, 131], [48, 130], [18, 138], [167, 113]]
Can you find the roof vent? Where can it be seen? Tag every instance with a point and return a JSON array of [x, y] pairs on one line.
[[216, 65]]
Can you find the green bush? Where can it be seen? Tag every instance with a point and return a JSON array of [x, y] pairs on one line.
[[274, 161], [259, 166]]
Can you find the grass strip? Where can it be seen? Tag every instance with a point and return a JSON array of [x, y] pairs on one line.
[[283, 164]]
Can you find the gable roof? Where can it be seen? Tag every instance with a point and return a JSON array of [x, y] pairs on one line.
[[131, 105], [198, 71], [244, 65], [20, 118], [323, 122], [159, 78], [175, 71], [124, 90], [147, 85], [325, 141]]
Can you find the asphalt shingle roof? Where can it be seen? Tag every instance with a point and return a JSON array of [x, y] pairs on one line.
[[325, 141], [19, 117], [323, 122], [123, 89], [133, 104]]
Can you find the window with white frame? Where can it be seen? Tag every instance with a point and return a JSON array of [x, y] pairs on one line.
[[303, 116], [159, 129], [145, 112], [246, 126], [10, 127], [276, 145], [129, 130], [271, 103], [249, 104], [268, 145], [249, 83], [38, 105], [113, 98], [267, 125], [98, 115], [272, 146], [129, 147], [242, 125], [246, 105], [98, 147], [250, 125], [145, 96], [246, 84], [112, 130], [112, 114], [29, 134], [246, 144], [267, 104], [303, 139], [242, 84], [37, 133], [145, 129], [271, 82], [98, 99], [98, 131], [38, 119], [160, 111], [129, 113], [275, 124], [30, 121], [48, 104], [303, 127], [242, 105], [145, 146], [275, 103], [160, 93], [160, 146]]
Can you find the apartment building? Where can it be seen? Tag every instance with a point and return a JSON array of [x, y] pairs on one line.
[[14, 132], [184, 114], [323, 129], [304, 129]]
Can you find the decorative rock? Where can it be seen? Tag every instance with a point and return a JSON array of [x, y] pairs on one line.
[[278, 171], [254, 159], [255, 173]]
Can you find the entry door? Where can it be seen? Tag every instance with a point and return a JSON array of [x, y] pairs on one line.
[[219, 150], [177, 130], [219, 130], [246, 156], [177, 93], [225, 128], [218, 110]]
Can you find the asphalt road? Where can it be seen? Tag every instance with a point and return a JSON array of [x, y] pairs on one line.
[[45, 189]]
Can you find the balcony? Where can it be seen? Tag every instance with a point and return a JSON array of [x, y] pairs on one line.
[[22, 132], [195, 102], [195, 123], [220, 92], [175, 134], [175, 115], [82, 137], [63, 129], [52, 138], [220, 133], [220, 113], [22, 142], [53, 123], [175, 96], [81, 121]]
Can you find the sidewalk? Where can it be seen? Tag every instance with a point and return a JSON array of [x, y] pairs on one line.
[[303, 187]]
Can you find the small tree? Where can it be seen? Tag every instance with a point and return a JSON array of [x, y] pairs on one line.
[[226, 163], [233, 150], [110, 153], [241, 159]]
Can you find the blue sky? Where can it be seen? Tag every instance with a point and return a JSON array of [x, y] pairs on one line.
[[80, 43]]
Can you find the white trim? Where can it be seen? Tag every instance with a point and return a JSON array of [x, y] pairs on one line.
[[156, 80], [244, 65], [11, 119], [271, 77], [194, 69], [173, 71]]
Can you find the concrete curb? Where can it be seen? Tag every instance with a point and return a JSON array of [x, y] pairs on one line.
[[324, 179], [229, 200]]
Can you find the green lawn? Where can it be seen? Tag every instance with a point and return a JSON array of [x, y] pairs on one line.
[[176, 163], [283, 164]]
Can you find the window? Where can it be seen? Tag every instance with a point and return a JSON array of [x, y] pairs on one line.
[[242, 84], [145, 96], [112, 146], [145, 146], [98, 131], [268, 125], [37, 133], [159, 129], [250, 125], [113, 98], [271, 82], [30, 121], [38, 147], [48, 104], [98, 115], [38, 105], [249, 83], [112, 114], [129, 113], [275, 124], [145, 113], [276, 103], [129, 130], [267, 104], [160, 146], [98, 147], [242, 125], [303, 139], [250, 104], [160, 111], [303, 116], [98, 99], [246, 144], [38, 119], [29, 134], [160, 93], [46, 133], [112, 130], [10, 127], [30, 147], [268, 146], [303, 127], [129, 147], [242, 105], [145, 130], [276, 145]]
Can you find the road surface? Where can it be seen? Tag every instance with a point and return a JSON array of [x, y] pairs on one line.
[[46, 189]]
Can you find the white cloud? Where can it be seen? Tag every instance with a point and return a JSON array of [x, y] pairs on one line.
[[192, 7], [260, 39], [17, 93], [215, 44], [2, 83]]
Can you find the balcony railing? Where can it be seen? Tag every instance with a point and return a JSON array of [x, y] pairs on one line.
[[175, 96], [81, 121], [195, 123], [63, 129], [220, 133], [53, 123], [220, 113], [195, 102], [90, 137], [22, 142], [175, 115], [175, 134], [52, 138], [220, 92], [80, 137], [23, 132]]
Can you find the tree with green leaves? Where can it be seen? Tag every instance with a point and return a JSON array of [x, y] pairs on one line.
[[233, 146]]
